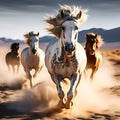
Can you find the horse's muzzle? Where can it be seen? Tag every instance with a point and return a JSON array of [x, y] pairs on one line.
[[69, 47], [34, 51]]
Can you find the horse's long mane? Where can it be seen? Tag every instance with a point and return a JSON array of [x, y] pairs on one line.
[[99, 40], [64, 13]]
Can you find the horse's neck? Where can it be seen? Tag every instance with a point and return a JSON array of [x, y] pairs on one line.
[[60, 47], [15, 52]]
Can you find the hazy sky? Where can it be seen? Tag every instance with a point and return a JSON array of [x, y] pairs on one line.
[[20, 16]]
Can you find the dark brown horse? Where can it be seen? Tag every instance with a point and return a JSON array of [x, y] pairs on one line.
[[94, 57], [12, 58]]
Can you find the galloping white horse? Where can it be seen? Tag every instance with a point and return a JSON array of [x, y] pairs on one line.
[[66, 58], [32, 57]]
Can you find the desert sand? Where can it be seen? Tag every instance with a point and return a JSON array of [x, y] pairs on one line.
[[96, 100]]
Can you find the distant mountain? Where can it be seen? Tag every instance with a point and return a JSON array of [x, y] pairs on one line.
[[9, 40], [112, 35]]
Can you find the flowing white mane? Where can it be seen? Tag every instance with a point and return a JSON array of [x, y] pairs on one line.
[[65, 13]]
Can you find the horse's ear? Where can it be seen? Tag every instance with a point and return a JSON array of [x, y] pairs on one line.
[[30, 33], [87, 36], [96, 35], [26, 35], [79, 15], [62, 14], [37, 34]]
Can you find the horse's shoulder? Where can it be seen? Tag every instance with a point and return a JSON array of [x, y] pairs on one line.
[[51, 46], [52, 43]]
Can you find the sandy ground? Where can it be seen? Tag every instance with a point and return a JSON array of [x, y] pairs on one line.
[[96, 100]]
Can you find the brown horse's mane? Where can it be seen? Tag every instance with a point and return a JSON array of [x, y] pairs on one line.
[[98, 39], [64, 13]]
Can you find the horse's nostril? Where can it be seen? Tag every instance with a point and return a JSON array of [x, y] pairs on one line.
[[34, 51], [69, 47]]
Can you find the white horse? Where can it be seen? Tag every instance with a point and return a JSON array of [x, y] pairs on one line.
[[32, 57], [66, 58]]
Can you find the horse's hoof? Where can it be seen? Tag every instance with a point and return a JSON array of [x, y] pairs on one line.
[[25, 87], [61, 104], [69, 105]]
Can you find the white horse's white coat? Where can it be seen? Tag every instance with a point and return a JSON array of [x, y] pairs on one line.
[[66, 58], [32, 57]]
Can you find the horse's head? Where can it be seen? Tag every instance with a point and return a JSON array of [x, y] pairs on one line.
[[32, 39], [69, 32], [93, 42], [65, 25], [69, 35], [15, 47]]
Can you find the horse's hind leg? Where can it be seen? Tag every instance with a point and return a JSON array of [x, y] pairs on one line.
[[37, 70], [72, 91]]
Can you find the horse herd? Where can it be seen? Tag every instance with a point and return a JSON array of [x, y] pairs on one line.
[[64, 58]]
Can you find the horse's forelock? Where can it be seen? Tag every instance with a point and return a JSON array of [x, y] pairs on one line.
[[98, 38]]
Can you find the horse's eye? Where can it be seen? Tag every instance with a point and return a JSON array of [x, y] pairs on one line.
[[76, 28], [63, 28]]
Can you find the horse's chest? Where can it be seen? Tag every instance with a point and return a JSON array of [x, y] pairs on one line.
[[34, 62], [91, 60], [65, 68]]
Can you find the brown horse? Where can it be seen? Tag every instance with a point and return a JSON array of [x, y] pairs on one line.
[[12, 58], [94, 57]]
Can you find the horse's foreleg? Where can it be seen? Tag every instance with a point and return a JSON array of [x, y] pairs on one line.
[[37, 70], [8, 67], [58, 79], [94, 70], [29, 76], [13, 67], [72, 91], [18, 68]]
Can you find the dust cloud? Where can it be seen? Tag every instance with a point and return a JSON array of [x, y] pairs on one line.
[[92, 97]]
